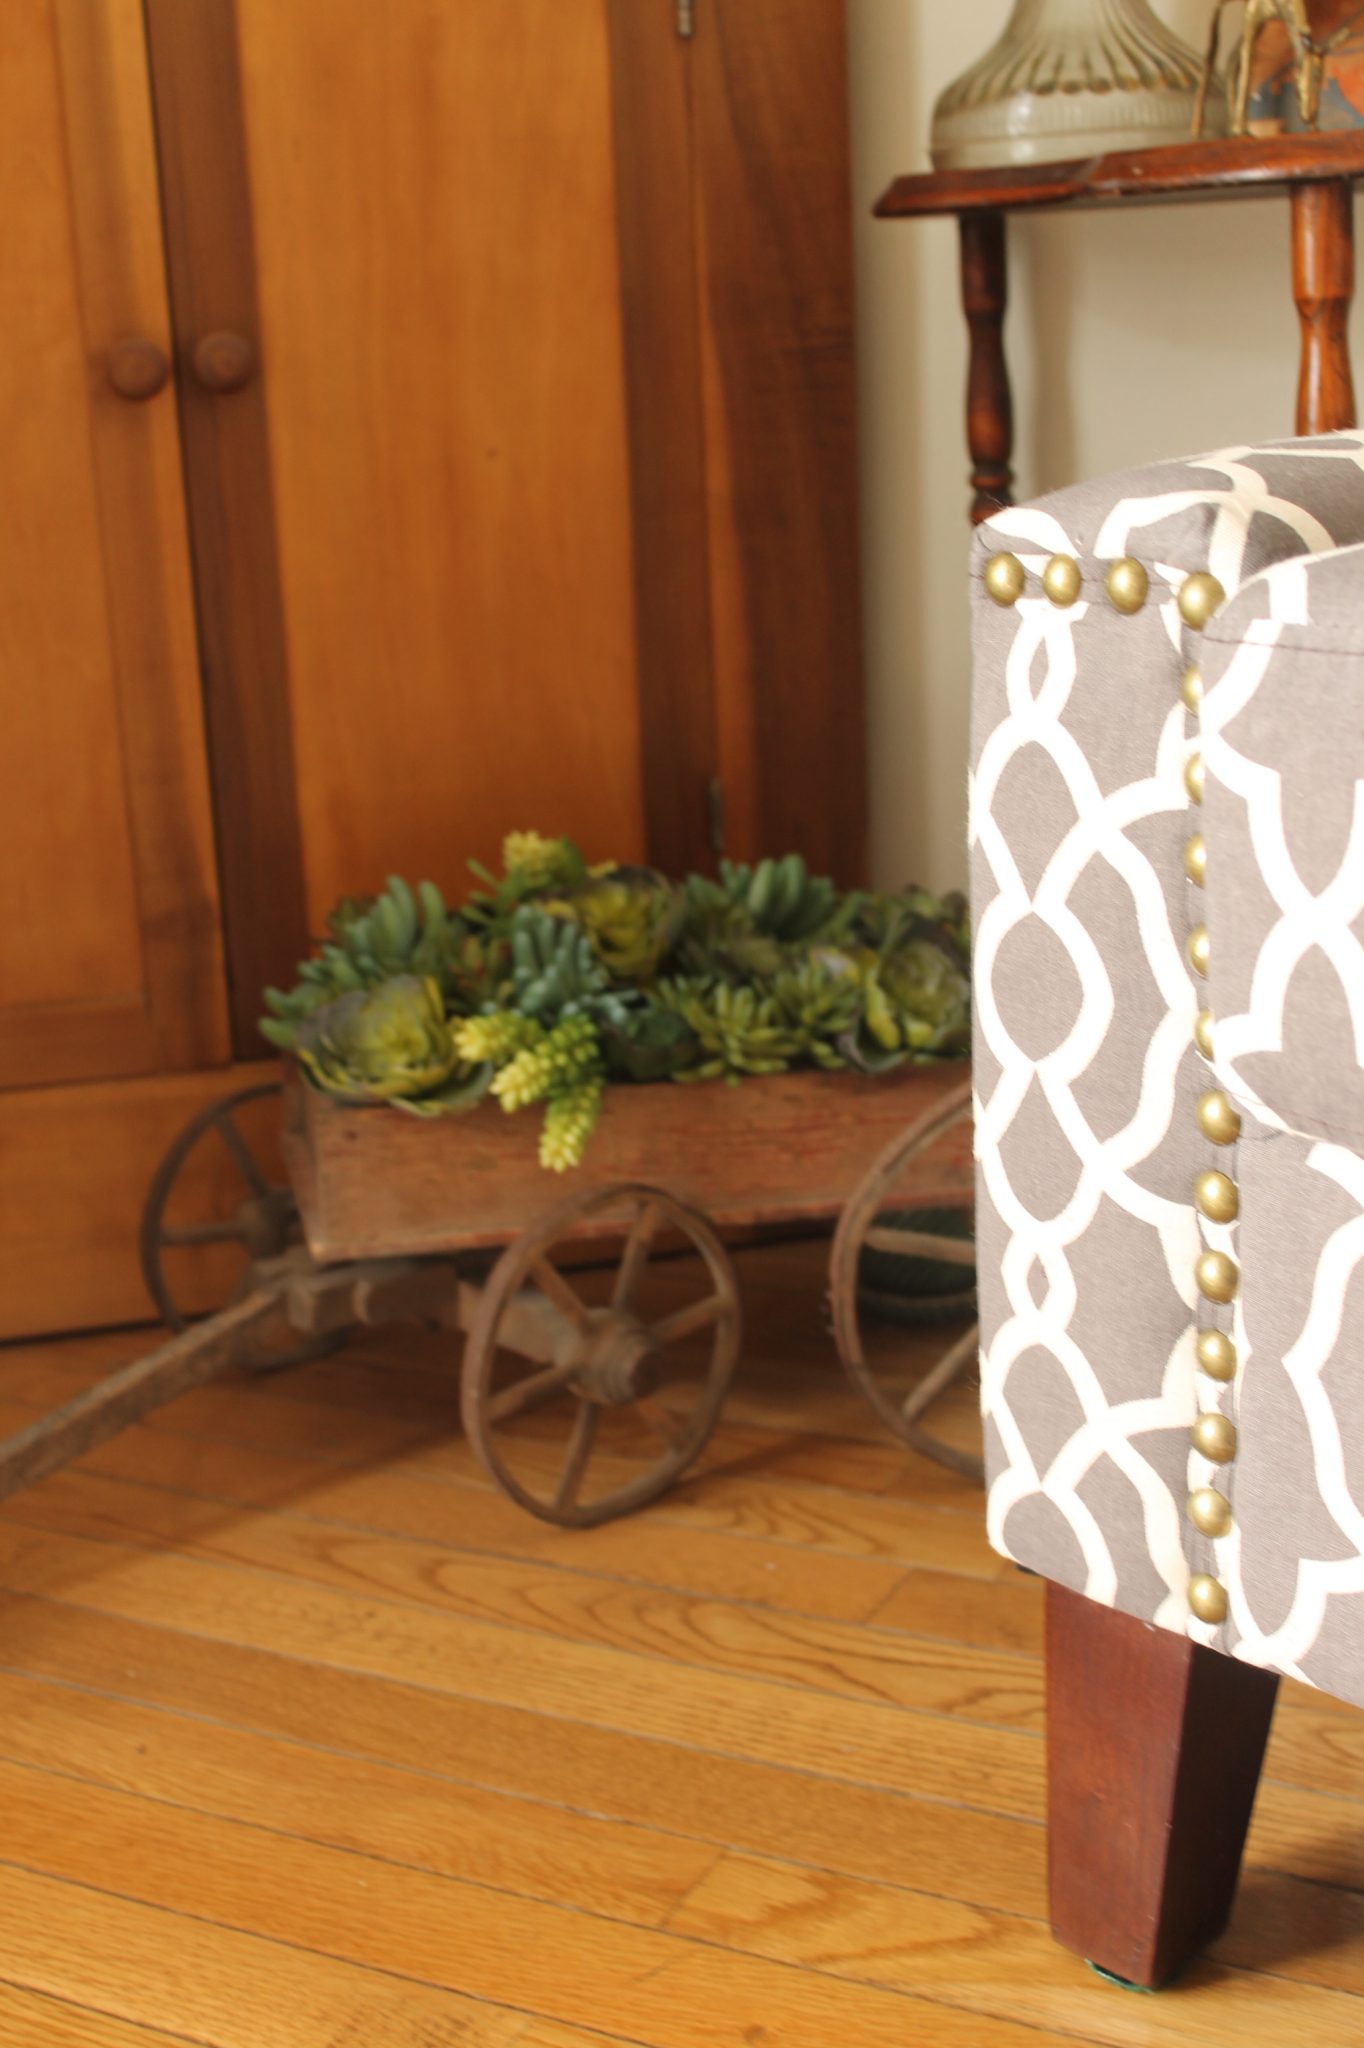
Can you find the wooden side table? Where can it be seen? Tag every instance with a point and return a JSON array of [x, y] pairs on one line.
[[1317, 172]]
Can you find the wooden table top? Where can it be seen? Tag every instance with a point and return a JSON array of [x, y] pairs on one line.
[[1239, 168]]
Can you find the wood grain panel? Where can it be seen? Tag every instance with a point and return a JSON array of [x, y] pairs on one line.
[[211, 258], [434, 225], [651, 96], [377, 1185], [109, 952], [77, 1164], [773, 211]]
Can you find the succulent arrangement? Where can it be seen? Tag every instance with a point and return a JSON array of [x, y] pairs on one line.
[[555, 979]]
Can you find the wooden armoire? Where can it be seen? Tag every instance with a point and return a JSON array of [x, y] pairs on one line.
[[418, 421]]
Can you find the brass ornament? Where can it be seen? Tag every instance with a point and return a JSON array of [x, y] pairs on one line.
[[1005, 579], [1216, 1198], [1217, 1355], [1210, 1512], [1196, 859], [1202, 1033], [1217, 1276], [1198, 946], [1194, 778], [1214, 1438], [1200, 595], [1127, 585], [1208, 1599], [1191, 687], [1062, 580], [1219, 1122]]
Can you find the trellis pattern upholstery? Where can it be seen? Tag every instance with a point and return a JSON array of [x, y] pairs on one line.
[[1105, 1409]]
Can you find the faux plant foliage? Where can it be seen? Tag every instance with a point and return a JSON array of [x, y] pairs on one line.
[[555, 980]]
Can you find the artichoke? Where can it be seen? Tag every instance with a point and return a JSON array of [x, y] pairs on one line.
[[387, 1044]]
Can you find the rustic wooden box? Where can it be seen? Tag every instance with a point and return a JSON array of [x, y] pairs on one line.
[[374, 1183]]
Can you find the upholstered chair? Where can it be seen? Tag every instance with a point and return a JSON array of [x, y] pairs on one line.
[[1167, 825]]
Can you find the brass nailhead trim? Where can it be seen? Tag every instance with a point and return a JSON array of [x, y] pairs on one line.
[[1062, 580], [1208, 1599], [1127, 585], [1005, 579], [1217, 1355]]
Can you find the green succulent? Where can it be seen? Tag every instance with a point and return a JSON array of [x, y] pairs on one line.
[[373, 939], [737, 1031], [556, 972], [781, 896], [631, 915], [570, 1120], [821, 999], [389, 1044], [916, 1004], [550, 1063]]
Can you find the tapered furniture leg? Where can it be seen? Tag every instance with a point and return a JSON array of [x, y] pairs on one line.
[[1154, 1746]]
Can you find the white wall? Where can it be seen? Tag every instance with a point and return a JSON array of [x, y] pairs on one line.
[[1133, 335]]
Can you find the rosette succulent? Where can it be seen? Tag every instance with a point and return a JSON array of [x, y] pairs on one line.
[[393, 1043]]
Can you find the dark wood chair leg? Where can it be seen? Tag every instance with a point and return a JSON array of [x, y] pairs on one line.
[[1154, 1746]]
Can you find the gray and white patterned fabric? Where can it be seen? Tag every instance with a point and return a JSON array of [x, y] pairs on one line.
[[1086, 1072]]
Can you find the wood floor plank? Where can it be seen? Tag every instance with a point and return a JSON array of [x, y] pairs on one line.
[[822, 1652], [947, 1535], [321, 1911], [30, 2020], [446, 1518], [337, 1800], [991, 1963], [961, 1745], [309, 1740], [871, 1830], [223, 1989]]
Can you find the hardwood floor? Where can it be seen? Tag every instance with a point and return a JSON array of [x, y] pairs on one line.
[[310, 1740]]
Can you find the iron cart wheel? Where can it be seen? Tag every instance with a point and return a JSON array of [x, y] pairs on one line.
[[617, 1373], [879, 1218], [262, 1221]]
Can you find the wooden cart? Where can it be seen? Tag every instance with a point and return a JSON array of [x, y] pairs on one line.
[[600, 1336]]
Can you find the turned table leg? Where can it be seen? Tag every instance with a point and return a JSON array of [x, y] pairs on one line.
[[989, 401], [1323, 286], [1154, 1746]]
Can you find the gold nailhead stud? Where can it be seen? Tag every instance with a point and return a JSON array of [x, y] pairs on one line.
[[1196, 859], [1004, 579], [1217, 1355], [1214, 1437], [1194, 777], [1217, 1120], [1202, 1033], [1191, 689], [1199, 597], [1061, 579], [1198, 946], [1210, 1512], [1208, 1599], [1216, 1198], [1217, 1276], [1127, 584]]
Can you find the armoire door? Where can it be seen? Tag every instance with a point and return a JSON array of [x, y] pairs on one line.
[[516, 388], [110, 948], [411, 509]]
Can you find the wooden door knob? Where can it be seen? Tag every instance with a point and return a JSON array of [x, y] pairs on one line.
[[137, 368], [224, 361]]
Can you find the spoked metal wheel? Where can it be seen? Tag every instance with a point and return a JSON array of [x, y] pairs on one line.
[[896, 1216], [249, 1212], [589, 1390]]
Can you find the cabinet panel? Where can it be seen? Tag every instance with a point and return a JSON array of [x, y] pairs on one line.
[[109, 948], [433, 213], [774, 212]]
